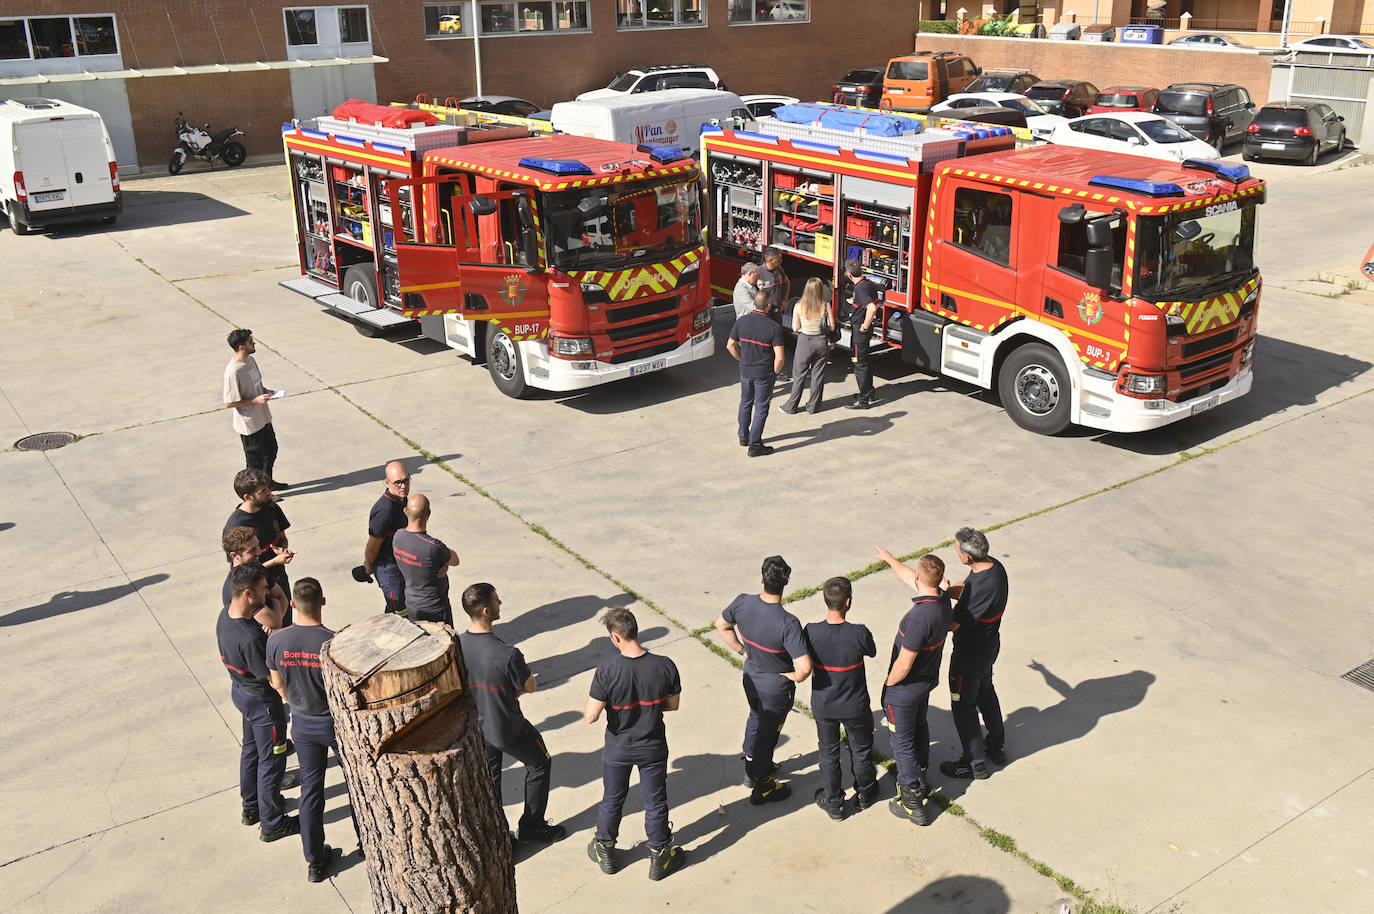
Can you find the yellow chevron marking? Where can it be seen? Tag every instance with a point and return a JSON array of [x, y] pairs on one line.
[[434, 285]]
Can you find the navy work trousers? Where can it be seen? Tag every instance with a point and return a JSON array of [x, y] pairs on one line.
[[616, 766], [260, 449], [393, 586], [863, 374], [768, 710], [754, 396], [906, 707], [860, 732], [314, 737], [971, 693], [263, 760], [528, 749]]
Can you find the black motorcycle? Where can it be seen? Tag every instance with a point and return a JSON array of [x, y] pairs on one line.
[[196, 142]]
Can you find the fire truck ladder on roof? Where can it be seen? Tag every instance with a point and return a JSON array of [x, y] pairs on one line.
[[418, 139], [925, 148]]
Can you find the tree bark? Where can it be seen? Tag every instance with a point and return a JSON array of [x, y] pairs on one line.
[[434, 836]]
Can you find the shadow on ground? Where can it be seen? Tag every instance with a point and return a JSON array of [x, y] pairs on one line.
[[964, 894], [70, 601]]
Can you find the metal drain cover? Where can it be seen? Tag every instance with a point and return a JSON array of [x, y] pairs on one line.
[[1362, 675], [44, 441]]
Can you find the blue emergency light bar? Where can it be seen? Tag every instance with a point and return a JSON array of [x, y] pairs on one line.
[[1139, 185], [662, 153], [556, 166], [1233, 173]]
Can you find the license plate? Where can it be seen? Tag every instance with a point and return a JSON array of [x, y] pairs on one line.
[[1271, 146], [655, 365], [50, 197], [1202, 406]]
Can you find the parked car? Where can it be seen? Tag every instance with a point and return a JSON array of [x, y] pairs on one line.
[[1040, 121], [1297, 132], [1124, 98], [1134, 133], [500, 104], [1214, 112], [863, 86], [1323, 43], [451, 23], [647, 79], [914, 82], [1208, 41], [784, 10], [1066, 97], [763, 105], [985, 114], [1003, 81]]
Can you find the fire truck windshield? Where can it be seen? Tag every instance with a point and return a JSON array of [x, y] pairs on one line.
[[620, 225], [1201, 252]]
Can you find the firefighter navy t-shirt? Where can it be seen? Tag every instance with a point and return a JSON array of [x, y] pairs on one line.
[[923, 630], [772, 636], [243, 649], [773, 282], [496, 674], [634, 690], [420, 556], [838, 687], [388, 516], [979, 614], [757, 334], [268, 522], [865, 294], [294, 652]]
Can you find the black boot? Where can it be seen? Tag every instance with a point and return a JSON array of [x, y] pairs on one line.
[[748, 771], [665, 860], [602, 853], [908, 805]]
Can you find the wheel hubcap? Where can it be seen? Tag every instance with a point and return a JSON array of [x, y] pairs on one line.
[[503, 356], [1037, 390], [358, 292]]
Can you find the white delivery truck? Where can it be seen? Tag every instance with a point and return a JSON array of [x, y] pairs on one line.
[[669, 117], [56, 165]]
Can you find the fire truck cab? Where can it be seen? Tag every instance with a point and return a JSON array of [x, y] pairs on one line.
[[1091, 288], [563, 262]]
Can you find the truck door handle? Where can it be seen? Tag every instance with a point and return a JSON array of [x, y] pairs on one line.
[[1053, 308], [947, 303]]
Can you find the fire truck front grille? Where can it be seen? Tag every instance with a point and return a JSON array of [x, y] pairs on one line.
[[649, 328], [1205, 366], [1203, 391], [643, 353], [635, 312], [1212, 342]]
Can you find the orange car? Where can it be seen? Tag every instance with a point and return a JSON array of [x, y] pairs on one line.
[[917, 81]]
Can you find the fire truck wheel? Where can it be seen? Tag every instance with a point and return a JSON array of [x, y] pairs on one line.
[[360, 284], [1035, 389], [503, 361]]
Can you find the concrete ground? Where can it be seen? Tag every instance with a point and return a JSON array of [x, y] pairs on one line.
[[1184, 602]]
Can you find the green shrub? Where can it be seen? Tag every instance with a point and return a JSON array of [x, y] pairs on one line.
[[938, 26]]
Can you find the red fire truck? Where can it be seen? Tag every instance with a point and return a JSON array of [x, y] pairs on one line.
[[564, 262], [1111, 291]]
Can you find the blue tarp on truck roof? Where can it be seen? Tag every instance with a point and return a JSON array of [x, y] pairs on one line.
[[850, 120]]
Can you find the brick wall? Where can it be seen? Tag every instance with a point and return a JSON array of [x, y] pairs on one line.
[[256, 103], [1106, 65]]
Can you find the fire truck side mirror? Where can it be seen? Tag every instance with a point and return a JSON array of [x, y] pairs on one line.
[[1101, 254], [481, 206]]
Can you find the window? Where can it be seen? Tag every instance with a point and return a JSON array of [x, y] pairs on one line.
[[300, 27], [531, 16], [746, 11], [982, 223], [916, 70], [14, 40], [353, 24], [52, 37], [655, 14], [95, 35], [446, 20]]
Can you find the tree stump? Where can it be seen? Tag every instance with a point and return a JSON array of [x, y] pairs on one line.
[[435, 838]]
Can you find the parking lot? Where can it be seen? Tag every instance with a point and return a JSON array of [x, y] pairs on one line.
[[1184, 602]]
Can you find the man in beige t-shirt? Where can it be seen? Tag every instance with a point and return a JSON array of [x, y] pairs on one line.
[[245, 394]]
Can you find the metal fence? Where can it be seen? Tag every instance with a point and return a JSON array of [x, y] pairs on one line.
[[1342, 83]]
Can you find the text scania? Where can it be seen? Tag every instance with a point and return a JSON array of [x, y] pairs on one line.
[[1220, 208]]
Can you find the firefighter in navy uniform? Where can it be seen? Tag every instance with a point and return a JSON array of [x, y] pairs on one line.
[[388, 515], [243, 650], [862, 316]]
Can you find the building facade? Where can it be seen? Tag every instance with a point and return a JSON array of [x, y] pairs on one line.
[[254, 64]]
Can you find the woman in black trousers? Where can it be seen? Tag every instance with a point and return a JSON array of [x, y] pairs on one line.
[[811, 322]]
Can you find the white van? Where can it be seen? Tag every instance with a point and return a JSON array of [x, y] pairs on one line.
[[669, 117], [56, 165]]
